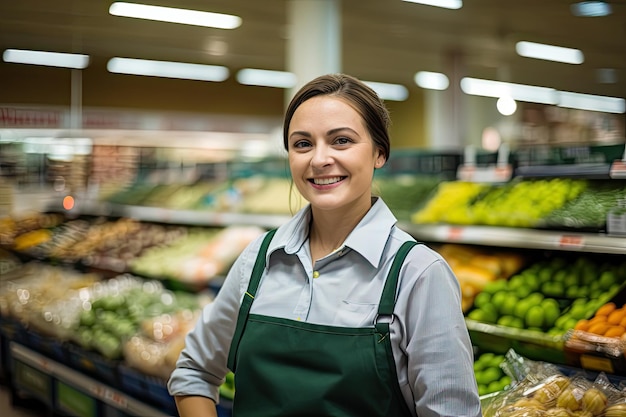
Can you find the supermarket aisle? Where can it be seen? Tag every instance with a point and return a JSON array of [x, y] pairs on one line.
[[29, 408]]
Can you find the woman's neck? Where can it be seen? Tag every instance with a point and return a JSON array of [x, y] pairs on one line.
[[329, 229]]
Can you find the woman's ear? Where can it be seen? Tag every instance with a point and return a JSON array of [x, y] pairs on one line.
[[380, 161]]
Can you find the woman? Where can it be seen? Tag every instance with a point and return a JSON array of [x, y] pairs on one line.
[[317, 320]]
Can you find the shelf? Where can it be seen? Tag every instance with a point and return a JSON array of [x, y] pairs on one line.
[[164, 215], [519, 238], [479, 235], [95, 389]]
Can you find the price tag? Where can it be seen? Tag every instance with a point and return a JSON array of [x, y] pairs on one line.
[[618, 169], [116, 398], [455, 233], [571, 241], [489, 174]]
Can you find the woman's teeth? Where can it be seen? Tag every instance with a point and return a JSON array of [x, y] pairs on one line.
[[326, 181]]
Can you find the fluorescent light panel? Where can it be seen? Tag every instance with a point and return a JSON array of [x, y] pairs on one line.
[[446, 4], [50, 59], [167, 69], [267, 78], [432, 80], [391, 92], [591, 9], [543, 95], [549, 52], [173, 15], [519, 92], [591, 102]]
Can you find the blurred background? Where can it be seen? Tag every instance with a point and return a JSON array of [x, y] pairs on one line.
[[141, 151], [435, 66]]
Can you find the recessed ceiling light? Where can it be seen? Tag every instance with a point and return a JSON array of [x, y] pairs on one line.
[[446, 4], [432, 80], [167, 69], [50, 59], [549, 52], [591, 9], [173, 15]]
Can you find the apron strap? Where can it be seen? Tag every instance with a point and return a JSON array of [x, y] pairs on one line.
[[248, 297], [388, 297]]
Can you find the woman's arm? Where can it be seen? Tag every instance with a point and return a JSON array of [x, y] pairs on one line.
[[195, 406]]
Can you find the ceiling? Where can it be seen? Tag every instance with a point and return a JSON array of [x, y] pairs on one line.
[[382, 40]]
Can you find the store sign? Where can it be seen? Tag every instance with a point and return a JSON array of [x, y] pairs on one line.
[[24, 117], [30, 118]]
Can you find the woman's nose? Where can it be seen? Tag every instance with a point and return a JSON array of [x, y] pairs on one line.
[[321, 156]]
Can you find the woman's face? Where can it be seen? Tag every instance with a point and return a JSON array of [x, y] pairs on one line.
[[331, 154]]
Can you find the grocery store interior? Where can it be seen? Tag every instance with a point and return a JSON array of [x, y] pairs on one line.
[[133, 147]]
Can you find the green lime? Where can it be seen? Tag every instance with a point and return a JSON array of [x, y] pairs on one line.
[[607, 279], [481, 299], [534, 317], [508, 305], [521, 308], [551, 311], [494, 286]]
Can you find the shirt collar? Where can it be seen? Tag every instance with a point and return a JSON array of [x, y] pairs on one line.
[[378, 221]]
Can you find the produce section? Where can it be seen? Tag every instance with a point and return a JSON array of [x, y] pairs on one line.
[[534, 259]]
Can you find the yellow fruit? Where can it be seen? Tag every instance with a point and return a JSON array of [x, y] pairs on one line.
[[529, 403], [551, 390], [557, 412], [617, 410], [568, 399], [594, 401]]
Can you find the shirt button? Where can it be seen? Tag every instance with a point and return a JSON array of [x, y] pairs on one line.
[[316, 274]]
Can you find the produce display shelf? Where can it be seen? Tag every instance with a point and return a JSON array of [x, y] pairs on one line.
[[175, 216], [519, 238], [73, 379]]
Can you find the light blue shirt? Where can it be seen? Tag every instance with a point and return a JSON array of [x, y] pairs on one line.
[[431, 344]]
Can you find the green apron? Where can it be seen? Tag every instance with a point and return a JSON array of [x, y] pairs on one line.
[[290, 368]]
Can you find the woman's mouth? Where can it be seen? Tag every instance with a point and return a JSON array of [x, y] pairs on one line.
[[326, 181]]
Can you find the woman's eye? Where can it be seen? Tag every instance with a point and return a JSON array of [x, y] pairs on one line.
[[342, 141], [301, 144]]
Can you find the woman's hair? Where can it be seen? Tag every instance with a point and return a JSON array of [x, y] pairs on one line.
[[356, 93]]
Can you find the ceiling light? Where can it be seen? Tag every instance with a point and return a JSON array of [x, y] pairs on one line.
[[446, 4], [51, 59], [519, 92], [173, 15], [167, 69], [267, 78], [392, 92], [506, 105], [591, 9], [549, 52], [432, 80], [591, 102]]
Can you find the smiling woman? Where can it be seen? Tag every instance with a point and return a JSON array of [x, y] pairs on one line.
[[338, 296]]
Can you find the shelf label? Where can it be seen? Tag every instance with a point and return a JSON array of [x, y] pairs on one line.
[[572, 241], [455, 233], [493, 173], [618, 169], [109, 395]]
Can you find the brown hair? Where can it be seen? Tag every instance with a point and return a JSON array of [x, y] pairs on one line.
[[359, 95]]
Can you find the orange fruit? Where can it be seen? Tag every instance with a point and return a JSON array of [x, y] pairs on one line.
[[582, 325], [599, 328], [616, 316], [623, 322], [615, 331], [606, 309], [597, 319]]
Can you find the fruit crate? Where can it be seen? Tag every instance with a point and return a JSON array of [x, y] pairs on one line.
[[94, 364], [531, 344]]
